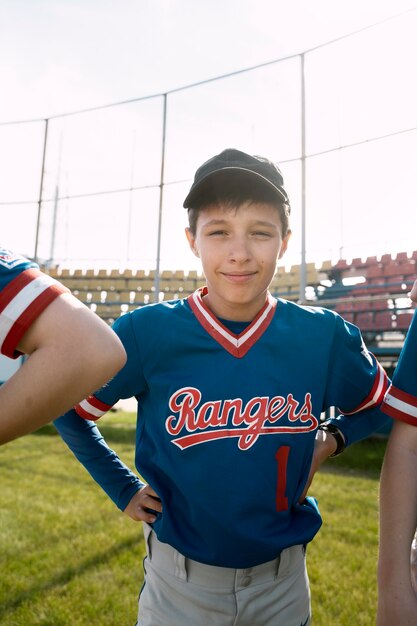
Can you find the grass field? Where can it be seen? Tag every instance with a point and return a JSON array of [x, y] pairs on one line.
[[68, 557]]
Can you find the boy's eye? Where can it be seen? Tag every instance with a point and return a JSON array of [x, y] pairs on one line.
[[217, 232], [260, 233]]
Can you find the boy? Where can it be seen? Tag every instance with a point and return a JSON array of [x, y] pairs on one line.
[[230, 384], [40, 318], [397, 600]]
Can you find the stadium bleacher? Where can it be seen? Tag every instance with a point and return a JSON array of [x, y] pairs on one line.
[[370, 292]]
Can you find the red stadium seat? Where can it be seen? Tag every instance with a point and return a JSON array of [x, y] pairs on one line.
[[401, 257], [404, 319], [392, 269], [374, 270], [365, 321], [384, 321], [379, 305], [409, 269], [386, 259]]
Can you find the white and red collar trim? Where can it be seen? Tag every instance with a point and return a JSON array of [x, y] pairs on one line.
[[237, 345]]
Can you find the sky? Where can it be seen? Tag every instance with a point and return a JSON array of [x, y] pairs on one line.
[[60, 56]]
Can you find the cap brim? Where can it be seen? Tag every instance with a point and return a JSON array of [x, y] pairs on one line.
[[197, 188]]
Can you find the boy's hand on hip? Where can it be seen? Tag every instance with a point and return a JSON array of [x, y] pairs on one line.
[[144, 505], [324, 445]]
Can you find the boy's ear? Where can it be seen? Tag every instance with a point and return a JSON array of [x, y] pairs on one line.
[[284, 245], [191, 241]]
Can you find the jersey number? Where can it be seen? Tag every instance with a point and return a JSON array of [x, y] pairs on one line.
[[281, 456]]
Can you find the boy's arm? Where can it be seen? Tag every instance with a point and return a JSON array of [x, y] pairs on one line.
[[84, 439], [359, 426], [357, 380], [126, 490], [103, 464], [71, 352], [397, 602], [356, 385], [324, 446]]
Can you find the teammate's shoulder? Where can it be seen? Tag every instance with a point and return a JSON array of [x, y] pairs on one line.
[[12, 266], [10, 260]]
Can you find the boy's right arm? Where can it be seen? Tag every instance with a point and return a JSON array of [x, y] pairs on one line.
[[126, 490], [88, 445], [84, 439]]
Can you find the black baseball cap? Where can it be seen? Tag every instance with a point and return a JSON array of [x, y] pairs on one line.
[[231, 160]]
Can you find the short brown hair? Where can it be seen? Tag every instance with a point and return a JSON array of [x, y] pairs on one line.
[[233, 190]]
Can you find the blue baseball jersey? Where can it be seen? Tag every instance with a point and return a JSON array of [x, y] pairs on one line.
[[25, 292], [401, 399], [227, 421]]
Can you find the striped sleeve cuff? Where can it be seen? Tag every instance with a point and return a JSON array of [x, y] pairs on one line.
[[376, 394], [400, 405], [91, 408], [21, 302]]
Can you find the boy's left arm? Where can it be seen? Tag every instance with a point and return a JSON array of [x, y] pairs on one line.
[[356, 386], [358, 382], [349, 429], [324, 446]]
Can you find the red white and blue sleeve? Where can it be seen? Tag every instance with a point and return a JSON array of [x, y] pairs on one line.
[[357, 384], [25, 292], [79, 431], [400, 401]]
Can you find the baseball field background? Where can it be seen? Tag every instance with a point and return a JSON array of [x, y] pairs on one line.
[[68, 556], [107, 109]]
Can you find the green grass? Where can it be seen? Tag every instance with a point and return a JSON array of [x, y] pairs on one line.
[[68, 557]]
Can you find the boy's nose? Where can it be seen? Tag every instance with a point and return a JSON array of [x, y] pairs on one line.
[[239, 251]]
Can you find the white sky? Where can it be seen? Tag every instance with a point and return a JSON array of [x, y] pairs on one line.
[[57, 56]]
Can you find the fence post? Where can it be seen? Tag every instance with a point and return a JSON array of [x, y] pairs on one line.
[[303, 280], [38, 222], [161, 197]]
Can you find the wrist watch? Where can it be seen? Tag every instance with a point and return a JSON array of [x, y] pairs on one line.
[[337, 434]]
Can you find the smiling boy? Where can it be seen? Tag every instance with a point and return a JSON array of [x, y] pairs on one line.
[[230, 384]]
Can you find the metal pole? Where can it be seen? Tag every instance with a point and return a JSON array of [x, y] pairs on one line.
[[54, 223], [38, 223], [130, 207], [303, 281], [161, 195], [56, 204]]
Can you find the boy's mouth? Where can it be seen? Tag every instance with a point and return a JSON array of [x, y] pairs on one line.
[[239, 277]]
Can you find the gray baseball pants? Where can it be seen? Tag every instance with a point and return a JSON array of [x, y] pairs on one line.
[[180, 592]]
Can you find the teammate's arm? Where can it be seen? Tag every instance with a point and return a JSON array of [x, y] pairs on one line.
[[397, 601], [72, 352]]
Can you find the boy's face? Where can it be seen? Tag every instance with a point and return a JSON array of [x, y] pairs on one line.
[[239, 249]]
